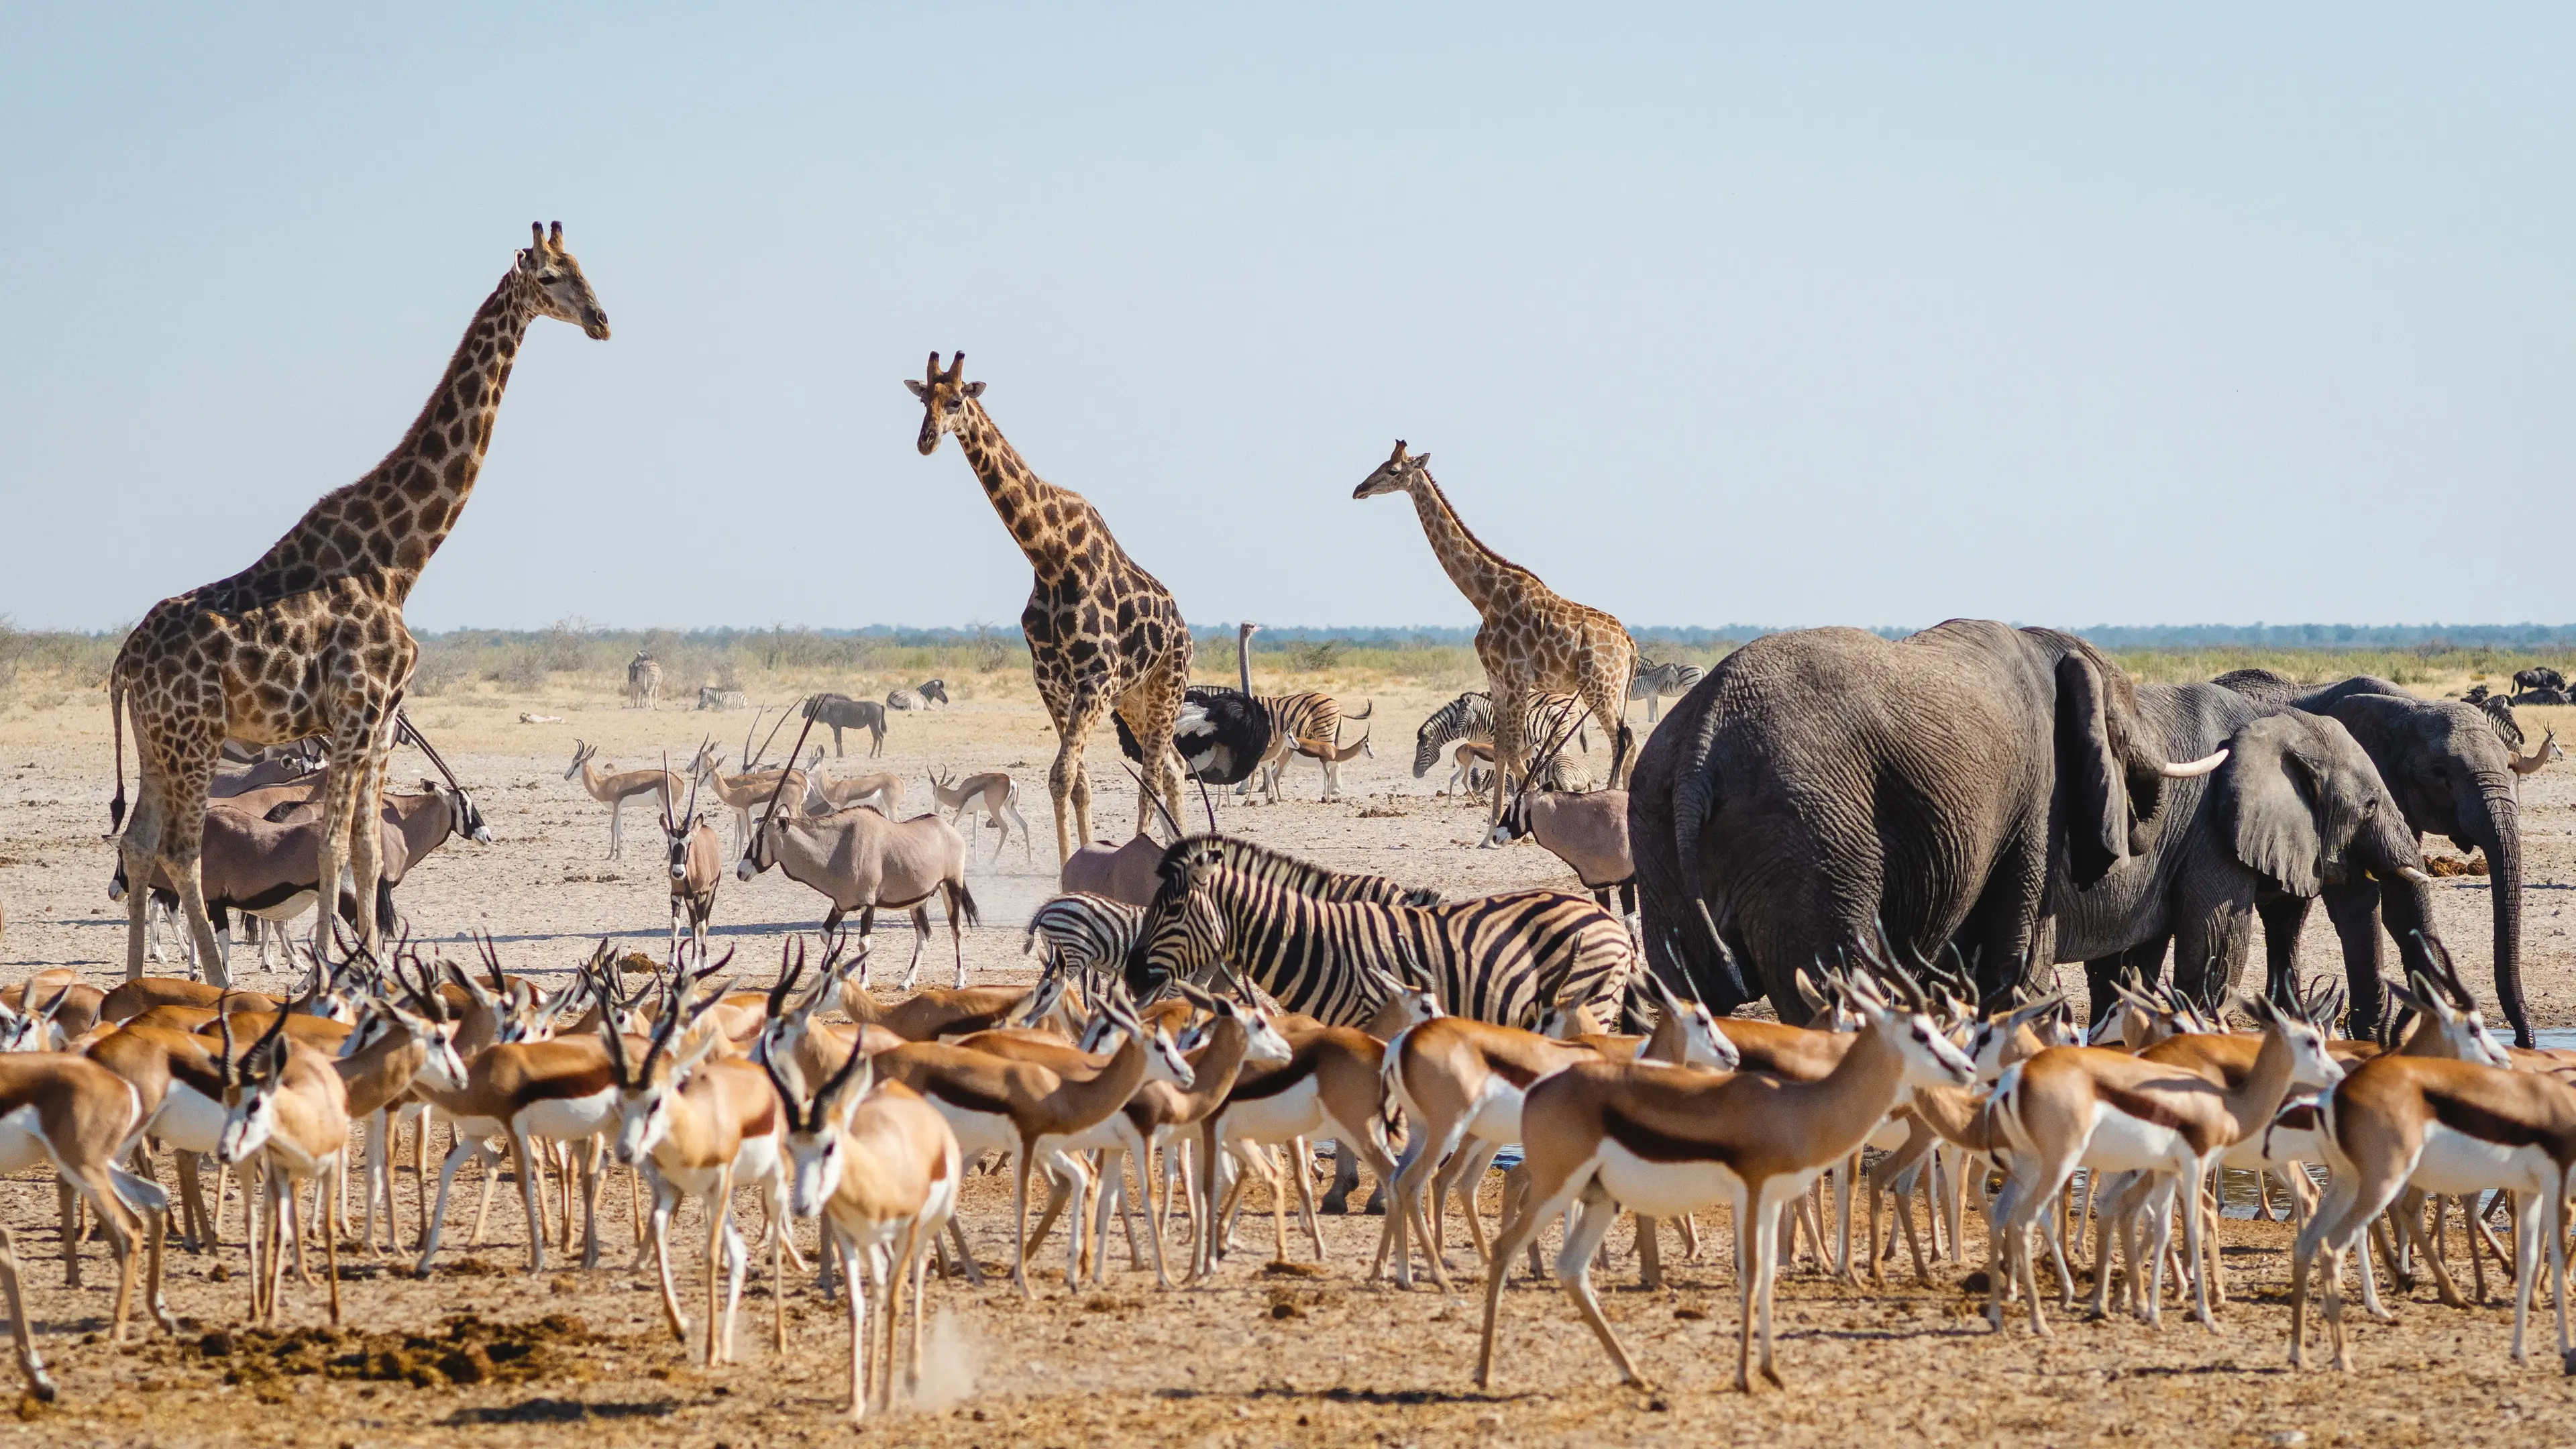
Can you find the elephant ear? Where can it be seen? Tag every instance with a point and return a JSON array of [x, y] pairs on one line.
[[2271, 790], [2090, 772]]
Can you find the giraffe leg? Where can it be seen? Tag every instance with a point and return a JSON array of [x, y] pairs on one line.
[[367, 837], [141, 850], [1511, 752], [1152, 707], [1067, 786], [183, 838], [340, 785], [1609, 704]]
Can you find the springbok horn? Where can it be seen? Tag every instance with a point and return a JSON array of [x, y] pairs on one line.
[[2195, 769]]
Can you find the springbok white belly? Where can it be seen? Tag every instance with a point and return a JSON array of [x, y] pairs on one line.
[[188, 1121], [571, 1118], [1665, 1189], [2454, 1162], [1295, 1112], [978, 1131], [22, 1143], [1497, 1114], [2122, 1143], [758, 1159]]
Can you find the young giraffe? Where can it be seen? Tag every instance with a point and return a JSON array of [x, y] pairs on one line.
[[1103, 634], [1533, 641], [310, 640]]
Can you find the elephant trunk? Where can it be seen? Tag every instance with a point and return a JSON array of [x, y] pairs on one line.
[[2493, 822]]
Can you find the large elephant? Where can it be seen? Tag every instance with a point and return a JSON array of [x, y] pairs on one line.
[[1822, 787], [2452, 775], [2297, 808]]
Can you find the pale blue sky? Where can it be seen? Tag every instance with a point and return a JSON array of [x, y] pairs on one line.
[[1860, 314]]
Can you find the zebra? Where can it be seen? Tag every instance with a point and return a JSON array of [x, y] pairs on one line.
[[1320, 942], [1654, 681], [2499, 713], [1471, 717], [1084, 933], [1309, 724], [643, 681]]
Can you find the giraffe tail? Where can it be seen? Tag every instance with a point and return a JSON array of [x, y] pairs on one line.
[[116, 719]]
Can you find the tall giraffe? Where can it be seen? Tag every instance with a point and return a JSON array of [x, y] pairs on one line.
[[310, 640], [1533, 640], [1103, 634]]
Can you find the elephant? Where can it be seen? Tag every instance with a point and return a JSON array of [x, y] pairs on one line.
[[2451, 773], [1825, 789], [2298, 807]]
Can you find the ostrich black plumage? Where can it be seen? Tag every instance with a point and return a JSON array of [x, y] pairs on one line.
[[1222, 733]]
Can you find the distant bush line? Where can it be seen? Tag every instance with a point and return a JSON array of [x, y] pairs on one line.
[[799, 658]]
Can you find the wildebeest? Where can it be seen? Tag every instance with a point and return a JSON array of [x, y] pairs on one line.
[[840, 712]]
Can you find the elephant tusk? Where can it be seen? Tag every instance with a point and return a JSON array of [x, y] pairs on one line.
[[2193, 770], [2410, 873]]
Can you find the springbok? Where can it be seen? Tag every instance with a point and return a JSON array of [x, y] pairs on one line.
[[287, 1109], [881, 1168], [993, 794], [1662, 1140], [614, 790], [699, 1127], [697, 868]]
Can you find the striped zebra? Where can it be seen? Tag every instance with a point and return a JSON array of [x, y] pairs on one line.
[[1083, 932], [1309, 724], [1275, 921], [1654, 681], [1471, 717]]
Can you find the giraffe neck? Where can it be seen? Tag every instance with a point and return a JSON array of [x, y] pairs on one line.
[[1475, 569], [383, 528], [1015, 490]]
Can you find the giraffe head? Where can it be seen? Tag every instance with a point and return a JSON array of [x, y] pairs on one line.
[[943, 399], [1395, 475], [554, 285]]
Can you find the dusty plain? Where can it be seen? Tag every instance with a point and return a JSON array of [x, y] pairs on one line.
[[1296, 1355]]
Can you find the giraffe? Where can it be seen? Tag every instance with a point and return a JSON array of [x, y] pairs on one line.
[[1103, 633], [1533, 640], [309, 641]]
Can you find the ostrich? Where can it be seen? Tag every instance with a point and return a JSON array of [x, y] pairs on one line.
[[1222, 733]]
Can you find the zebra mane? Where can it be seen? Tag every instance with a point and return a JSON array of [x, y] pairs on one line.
[[1287, 872]]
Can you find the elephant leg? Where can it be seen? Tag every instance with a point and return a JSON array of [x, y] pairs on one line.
[[2212, 940], [2354, 909], [2140, 966], [2284, 916], [2005, 934]]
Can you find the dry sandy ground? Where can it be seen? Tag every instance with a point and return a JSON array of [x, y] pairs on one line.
[[1264, 1357]]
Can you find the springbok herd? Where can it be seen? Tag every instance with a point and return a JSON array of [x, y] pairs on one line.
[[1211, 1010]]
